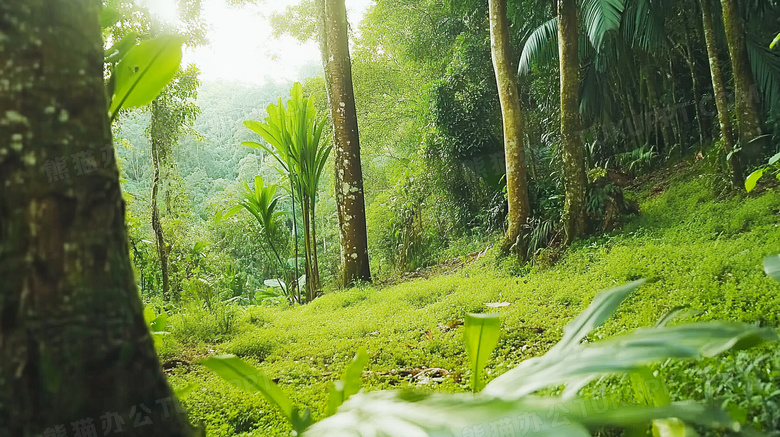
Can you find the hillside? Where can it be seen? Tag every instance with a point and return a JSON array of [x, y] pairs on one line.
[[697, 250]]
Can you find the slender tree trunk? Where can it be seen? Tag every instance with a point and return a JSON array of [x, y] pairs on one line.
[[690, 60], [74, 348], [515, 240], [349, 173], [293, 286], [719, 91], [315, 277], [162, 248], [574, 174], [672, 112], [308, 248], [745, 95]]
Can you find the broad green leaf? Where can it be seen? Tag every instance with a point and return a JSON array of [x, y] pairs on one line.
[[480, 335], [752, 180], [678, 312], [774, 159], [120, 49], [349, 384], [149, 315], [602, 307], [394, 413], [772, 267], [109, 17], [182, 393], [144, 71], [627, 353], [230, 212], [160, 323], [246, 377], [648, 388], [671, 427]]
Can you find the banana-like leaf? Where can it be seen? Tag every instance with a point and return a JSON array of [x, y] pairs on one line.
[[349, 384], [601, 309], [772, 267], [480, 334], [678, 312], [144, 71], [752, 180], [627, 353], [246, 377], [385, 413]]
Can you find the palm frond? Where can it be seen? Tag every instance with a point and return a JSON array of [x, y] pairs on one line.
[[541, 46], [765, 65], [643, 25], [601, 17]]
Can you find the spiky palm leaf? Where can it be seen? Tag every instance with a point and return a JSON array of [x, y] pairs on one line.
[[601, 17], [765, 65], [643, 25], [541, 46]]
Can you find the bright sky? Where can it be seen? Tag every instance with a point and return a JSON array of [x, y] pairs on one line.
[[242, 46]]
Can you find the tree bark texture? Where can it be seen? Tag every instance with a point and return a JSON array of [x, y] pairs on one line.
[[574, 174], [514, 240], [745, 94], [349, 173], [719, 91], [75, 351]]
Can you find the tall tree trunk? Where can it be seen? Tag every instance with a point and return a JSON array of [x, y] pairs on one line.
[[349, 173], [690, 60], [719, 90], [745, 100], [159, 235], [75, 352], [514, 240], [574, 174]]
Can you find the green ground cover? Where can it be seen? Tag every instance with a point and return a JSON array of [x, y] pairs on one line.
[[697, 249]]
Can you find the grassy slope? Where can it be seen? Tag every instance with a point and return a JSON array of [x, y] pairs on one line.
[[699, 251]]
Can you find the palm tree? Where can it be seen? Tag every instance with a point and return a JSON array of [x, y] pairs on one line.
[[601, 17]]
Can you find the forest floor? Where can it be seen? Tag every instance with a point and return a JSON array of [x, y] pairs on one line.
[[697, 248]]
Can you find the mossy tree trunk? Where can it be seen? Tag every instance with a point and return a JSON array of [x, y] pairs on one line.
[[349, 174], [574, 174], [515, 239], [745, 95], [74, 347], [719, 90]]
